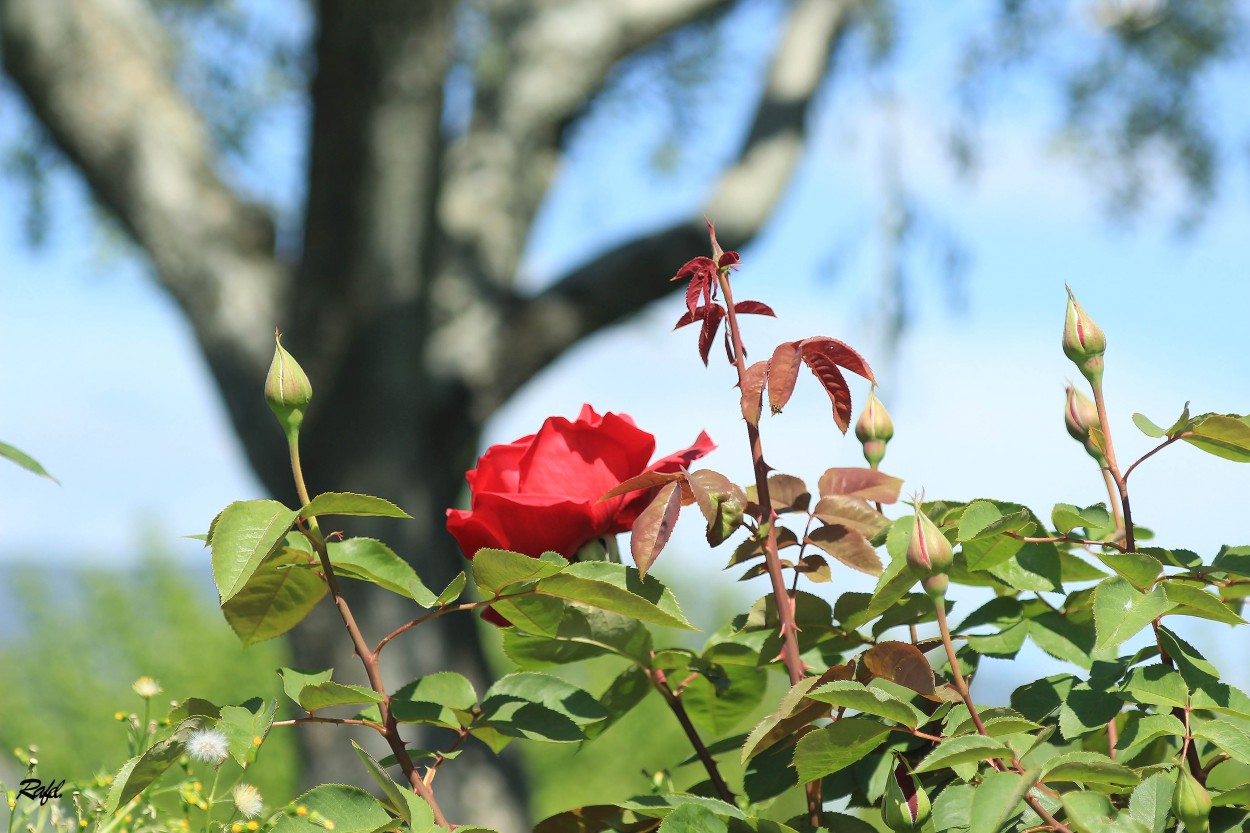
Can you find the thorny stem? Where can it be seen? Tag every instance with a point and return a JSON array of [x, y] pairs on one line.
[[346, 721], [367, 657], [961, 685], [785, 607], [1112, 499], [784, 601], [660, 682]]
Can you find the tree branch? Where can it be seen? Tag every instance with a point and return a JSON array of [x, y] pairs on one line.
[[96, 74], [623, 280]]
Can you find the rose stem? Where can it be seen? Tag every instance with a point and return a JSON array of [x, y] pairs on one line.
[[660, 682], [783, 600], [368, 658]]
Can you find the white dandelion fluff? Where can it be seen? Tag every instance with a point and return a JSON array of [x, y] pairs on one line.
[[208, 745], [248, 801]]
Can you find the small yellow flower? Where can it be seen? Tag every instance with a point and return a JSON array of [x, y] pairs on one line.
[[257, 740], [237, 827], [253, 825], [119, 715], [301, 810], [12, 803]]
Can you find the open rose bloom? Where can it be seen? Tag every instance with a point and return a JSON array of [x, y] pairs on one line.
[[541, 493]]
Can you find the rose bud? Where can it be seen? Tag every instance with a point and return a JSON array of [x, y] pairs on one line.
[[1191, 803], [905, 806], [1083, 340], [1080, 414], [874, 429], [287, 388], [928, 552]]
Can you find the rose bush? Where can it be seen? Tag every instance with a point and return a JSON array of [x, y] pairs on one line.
[[541, 493]]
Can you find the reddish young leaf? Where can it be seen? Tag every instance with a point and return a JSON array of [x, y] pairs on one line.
[[754, 308], [834, 384], [783, 372], [711, 321], [788, 493], [899, 662], [824, 356], [654, 526], [851, 512], [840, 354], [815, 567], [644, 481], [865, 484], [754, 547], [848, 546], [753, 392], [687, 318]]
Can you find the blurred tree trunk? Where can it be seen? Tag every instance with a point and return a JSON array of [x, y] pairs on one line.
[[402, 305]]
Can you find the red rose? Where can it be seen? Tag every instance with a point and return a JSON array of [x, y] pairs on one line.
[[542, 492]]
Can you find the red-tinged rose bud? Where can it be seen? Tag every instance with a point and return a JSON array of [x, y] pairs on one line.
[[1080, 414], [874, 429], [928, 552], [1083, 340], [1191, 803], [287, 388], [905, 806]]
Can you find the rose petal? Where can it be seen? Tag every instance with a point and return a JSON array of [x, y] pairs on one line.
[[530, 524]]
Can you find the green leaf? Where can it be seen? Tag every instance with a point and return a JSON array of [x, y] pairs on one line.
[[829, 749], [371, 560], [1151, 802], [952, 809], [395, 794], [1065, 517], [724, 695], [964, 749], [1063, 638], [789, 703], [443, 699], [493, 570], [1089, 812], [1140, 570], [1222, 435], [324, 695], [348, 809], [139, 773], [627, 690], [660, 806], [1157, 685], [1191, 600], [550, 691], [860, 697], [280, 593], [618, 589], [1089, 768], [1147, 427], [581, 632], [1035, 567], [1087, 708], [245, 533], [898, 577], [996, 799], [25, 461], [1140, 731], [691, 818], [977, 515], [452, 591], [347, 503], [1121, 610], [295, 679], [1229, 737], [246, 728]]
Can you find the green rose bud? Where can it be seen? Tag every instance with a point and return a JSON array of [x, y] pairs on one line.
[[929, 552], [1191, 802], [1080, 414], [287, 389], [874, 429], [905, 806], [1083, 340]]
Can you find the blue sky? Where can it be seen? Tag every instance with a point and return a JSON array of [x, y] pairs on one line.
[[103, 383]]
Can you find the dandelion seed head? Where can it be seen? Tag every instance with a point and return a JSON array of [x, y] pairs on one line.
[[208, 745]]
